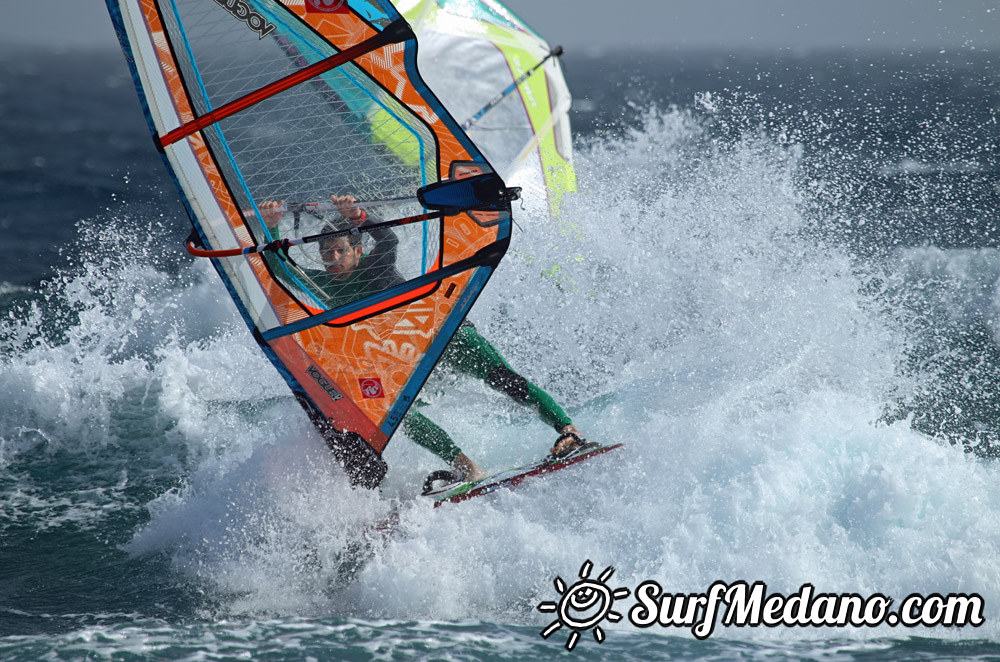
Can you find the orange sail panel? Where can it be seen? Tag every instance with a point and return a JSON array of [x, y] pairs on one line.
[[259, 102]]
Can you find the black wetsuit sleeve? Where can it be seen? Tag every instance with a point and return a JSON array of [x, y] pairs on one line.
[[382, 260]]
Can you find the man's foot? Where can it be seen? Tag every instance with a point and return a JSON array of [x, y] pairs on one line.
[[569, 440], [468, 469]]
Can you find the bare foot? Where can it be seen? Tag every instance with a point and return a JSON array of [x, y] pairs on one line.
[[566, 442], [470, 470]]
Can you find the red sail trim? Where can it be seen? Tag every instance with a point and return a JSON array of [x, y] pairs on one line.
[[392, 34], [383, 306], [342, 412]]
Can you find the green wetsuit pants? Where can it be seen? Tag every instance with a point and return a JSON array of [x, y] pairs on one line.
[[471, 354]]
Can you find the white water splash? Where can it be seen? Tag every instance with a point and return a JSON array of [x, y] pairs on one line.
[[683, 307]]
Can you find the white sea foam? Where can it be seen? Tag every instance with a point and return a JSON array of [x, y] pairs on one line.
[[683, 306], [11, 288], [958, 287]]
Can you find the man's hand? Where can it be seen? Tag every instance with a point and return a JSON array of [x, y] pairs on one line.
[[270, 212], [348, 209]]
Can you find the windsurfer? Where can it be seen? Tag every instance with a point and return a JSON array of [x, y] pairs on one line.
[[348, 275]]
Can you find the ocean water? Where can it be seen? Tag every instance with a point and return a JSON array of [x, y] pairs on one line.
[[778, 287]]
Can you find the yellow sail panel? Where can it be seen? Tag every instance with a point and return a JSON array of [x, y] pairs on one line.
[[527, 134]]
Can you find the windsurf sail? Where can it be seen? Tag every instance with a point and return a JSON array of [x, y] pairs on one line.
[[505, 85], [263, 110]]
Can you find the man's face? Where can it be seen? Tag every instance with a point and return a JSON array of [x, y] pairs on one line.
[[339, 257]]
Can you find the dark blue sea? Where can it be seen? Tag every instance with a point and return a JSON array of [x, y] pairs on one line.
[[780, 287]]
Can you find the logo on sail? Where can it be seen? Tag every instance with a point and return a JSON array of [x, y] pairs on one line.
[[371, 387], [326, 7], [324, 383], [241, 10]]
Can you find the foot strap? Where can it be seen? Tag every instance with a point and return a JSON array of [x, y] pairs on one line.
[[578, 443], [448, 477]]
